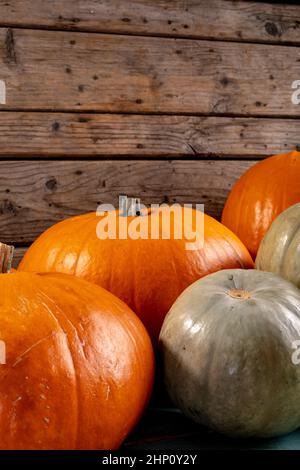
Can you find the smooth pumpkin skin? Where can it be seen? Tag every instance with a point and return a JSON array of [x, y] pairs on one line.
[[75, 353], [228, 360], [279, 251], [260, 195], [146, 274]]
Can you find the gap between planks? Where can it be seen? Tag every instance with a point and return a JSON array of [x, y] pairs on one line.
[[82, 110], [191, 37]]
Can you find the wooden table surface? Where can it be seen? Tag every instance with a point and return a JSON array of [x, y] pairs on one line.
[[167, 429]]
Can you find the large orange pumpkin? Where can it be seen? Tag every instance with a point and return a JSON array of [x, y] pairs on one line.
[[74, 355], [260, 195], [148, 274]]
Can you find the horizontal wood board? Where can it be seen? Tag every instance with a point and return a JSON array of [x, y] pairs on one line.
[[36, 194], [215, 19], [69, 135], [47, 70]]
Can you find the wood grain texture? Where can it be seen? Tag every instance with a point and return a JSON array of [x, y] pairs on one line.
[[18, 255], [101, 135], [36, 194], [52, 70], [223, 19]]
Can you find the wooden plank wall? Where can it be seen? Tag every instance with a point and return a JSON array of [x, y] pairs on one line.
[[169, 101]]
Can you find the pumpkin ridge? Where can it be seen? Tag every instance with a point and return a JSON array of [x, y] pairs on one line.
[[52, 314], [287, 246], [84, 241], [208, 364], [119, 318], [62, 313], [280, 247], [214, 353], [233, 246], [133, 274], [173, 257], [34, 345]]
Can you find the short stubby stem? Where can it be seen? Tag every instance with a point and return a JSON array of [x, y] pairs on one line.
[[6, 257], [240, 294], [129, 206]]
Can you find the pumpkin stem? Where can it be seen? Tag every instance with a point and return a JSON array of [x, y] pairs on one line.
[[129, 206], [6, 257], [239, 294]]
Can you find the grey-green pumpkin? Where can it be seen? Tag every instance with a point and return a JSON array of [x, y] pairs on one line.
[[279, 251], [229, 350]]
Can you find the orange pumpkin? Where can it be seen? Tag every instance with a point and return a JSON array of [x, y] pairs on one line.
[[260, 195], [147, 274], [74, 355]]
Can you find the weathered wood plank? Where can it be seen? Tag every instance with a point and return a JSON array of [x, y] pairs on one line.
[[110, 73], [36, 194], [70, 135], [223, 19]]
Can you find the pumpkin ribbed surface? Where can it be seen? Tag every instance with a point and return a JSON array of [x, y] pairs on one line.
[[227, 345], [75, 353], [279, 251], [147, 274], [260, 195]]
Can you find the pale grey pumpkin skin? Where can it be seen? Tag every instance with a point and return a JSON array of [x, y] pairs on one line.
[[279, 251], [228, 361]]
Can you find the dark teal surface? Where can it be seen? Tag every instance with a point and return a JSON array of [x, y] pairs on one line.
[[168, 429]]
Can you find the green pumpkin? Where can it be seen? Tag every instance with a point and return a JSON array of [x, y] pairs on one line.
[[228, 350], [279, 251]]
